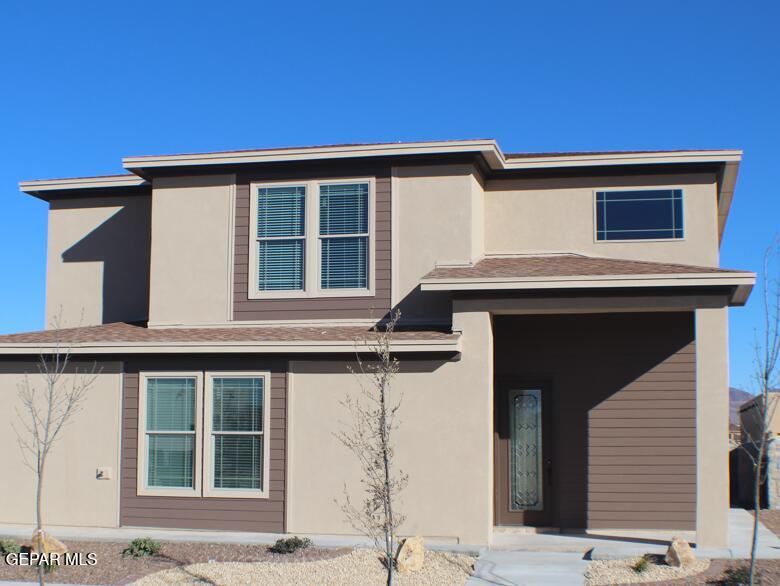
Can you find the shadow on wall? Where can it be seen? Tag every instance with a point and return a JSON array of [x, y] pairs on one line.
[[620, 387], [742, 479], [408, 364], [123, 244]]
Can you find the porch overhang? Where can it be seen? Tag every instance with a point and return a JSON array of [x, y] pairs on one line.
[[557, 274]]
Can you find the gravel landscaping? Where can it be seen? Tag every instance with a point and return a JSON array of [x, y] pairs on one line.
[[608, 572], [357, 568], [114, 568]]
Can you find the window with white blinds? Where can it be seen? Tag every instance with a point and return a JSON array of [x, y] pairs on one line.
[[237, 432], [312, 238], [344, 236], [204, 439], [170, 432], [281, 238]]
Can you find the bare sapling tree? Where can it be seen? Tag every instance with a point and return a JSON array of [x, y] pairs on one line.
[[46, 407], [369, 436], [757, 433]]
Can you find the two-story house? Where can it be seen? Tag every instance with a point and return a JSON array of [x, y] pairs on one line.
[[563, 339]]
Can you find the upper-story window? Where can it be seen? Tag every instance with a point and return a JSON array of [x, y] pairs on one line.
[[344, 236], [312, 238], [651, 214], [281, 235]]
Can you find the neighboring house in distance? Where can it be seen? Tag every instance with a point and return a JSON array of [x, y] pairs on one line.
[[735, 435], [736, 398], [563, 341], [750, 418]]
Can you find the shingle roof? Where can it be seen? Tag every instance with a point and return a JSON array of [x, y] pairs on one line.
[[564, 265], [134, 334]]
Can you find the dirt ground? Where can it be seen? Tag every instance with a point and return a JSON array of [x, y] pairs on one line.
[[769, 573], [769, 569], [114, 568], [771, 519]]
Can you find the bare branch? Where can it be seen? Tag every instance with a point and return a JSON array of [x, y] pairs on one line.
[[373, 412], [43, 413]]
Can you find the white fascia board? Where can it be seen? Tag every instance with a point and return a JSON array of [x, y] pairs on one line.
[[98, 182], [596, 281], [489, 148], [401, 346], [592, 160], [725, 195]]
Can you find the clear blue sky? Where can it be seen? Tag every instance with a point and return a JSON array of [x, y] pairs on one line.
[[86, 83]]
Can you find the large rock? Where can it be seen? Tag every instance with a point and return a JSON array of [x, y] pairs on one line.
[[679, 553], [42, 542], [411, 555]]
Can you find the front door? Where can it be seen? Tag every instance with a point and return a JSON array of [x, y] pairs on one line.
[[523, 469]]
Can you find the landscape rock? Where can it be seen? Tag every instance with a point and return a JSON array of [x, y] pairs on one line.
[[42, 542], [411, 555], [679, 554]]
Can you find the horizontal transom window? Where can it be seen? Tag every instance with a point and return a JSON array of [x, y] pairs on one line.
[[651, 214], [311, 238]]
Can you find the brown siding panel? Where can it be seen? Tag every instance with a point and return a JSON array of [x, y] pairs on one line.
[[624, 412], [262, 515], [375, 307]]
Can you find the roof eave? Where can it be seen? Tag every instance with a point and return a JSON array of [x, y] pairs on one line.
[[252, 347], [488, 148], [740, 283], [46, 188]]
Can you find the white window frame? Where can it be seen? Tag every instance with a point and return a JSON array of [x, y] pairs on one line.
[[594, 198], [208, 446], [202, 457], [143, 489], [312, 267], [253, 273]]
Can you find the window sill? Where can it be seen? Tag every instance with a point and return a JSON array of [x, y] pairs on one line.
[[227, 493], [640, 240], [318, 294], [175, 492]]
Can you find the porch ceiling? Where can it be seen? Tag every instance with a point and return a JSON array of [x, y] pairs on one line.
[[573, 271]]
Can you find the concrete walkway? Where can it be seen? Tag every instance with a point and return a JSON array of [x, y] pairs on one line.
[[527, 559], [516, 568]]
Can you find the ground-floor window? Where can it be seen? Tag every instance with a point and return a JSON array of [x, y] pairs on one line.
[[204, 434]]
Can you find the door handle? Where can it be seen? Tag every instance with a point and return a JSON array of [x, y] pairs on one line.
[[549, 471]]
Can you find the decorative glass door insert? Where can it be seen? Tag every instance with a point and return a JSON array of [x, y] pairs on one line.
[[525, 450]]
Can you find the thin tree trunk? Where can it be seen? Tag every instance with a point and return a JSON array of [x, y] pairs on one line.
[[756, 509], [388, 497], [39, 516]]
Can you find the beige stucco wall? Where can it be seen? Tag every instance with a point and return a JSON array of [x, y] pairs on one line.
[[97, 267], [557, 215], [712, 423], [73, 494], [439, 213], [190, 279], [444, 443]]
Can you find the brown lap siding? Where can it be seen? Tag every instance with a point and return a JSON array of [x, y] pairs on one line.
[[624, 413], [376, 306], [248, 514]]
